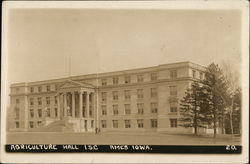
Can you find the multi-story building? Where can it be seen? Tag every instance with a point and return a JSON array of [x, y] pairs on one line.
[[145, 99]]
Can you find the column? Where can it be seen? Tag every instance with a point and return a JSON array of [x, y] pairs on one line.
[[80, 104], [73, 104], [65, 104], [58, 106], [87, 104]]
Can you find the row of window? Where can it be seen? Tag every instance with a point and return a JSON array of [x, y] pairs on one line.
[[140, 108], [140, 93], [40, 89], [39, 100], [140, 123], [201, 75]]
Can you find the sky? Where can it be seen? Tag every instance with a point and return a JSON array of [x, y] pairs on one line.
[[41, 41]]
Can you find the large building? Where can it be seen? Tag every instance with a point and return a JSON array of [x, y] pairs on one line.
[[145, 99]]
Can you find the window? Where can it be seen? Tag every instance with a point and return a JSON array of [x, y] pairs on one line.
[[104, 110], [115, 123], [140, 108], [115, 95], [40, 113], [153, 92], [31, 89], [40, 89], [194, 73], [92, 124], [201, 75], [154, 76], [90, 111], [115, 80], [48, 88], [154, 123], [17, 124], [173, 123], [39, 123], [127, 124], [55, 98], [140, 78], [104, 82], [127, 109], [56, 112], [115, 109], [173, 106], [48, 112], [139, 93], [31, 101], [154, 107], [140, 123], [31, 113], [173, 90], [127, 94], [17, 113], [31, 124], [104, 123], [104, 96], [173, 74], [17, 101], [47, 100], [127, 79], [39, 99]]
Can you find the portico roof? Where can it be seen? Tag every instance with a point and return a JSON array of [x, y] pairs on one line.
[[75, 84]]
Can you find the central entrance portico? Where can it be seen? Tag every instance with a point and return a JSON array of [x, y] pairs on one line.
[[76, 105]]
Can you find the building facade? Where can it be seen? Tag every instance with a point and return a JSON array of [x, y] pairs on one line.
[[145, 99]]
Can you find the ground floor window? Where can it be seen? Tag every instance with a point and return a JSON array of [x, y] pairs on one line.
[[39, 123], [56, 112], [104, 123], [154, 123], [31, 124], [92, 123], [40, 113], [173, 123], [127, 124], [115, 123], [140, 123], [17, 124]]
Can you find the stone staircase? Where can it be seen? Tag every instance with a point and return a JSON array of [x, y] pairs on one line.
[[56, 126]]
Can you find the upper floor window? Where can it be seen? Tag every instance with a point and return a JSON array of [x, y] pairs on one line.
[[47, 100], [48, 112], [56, 112], [201, 75], [104, 82], [104, 110], [154, 123], [127, 94], [154, 76], [154, 107], [127, 79], [194, 74], [115, 95], [139, 93], [31, 89], [140, 78], [115, 109], [31, 101], [140, 108], [153, 92], [39, 99], [48, 88], [39, 88], [104, 123], [115, 123], [173, 90], [173, 123], [140, 123], [115, 80], [104, 96], [173, 74], [127, 109], [40, 113], [127, 123], [173, 106], [31, 113], [55, 98]]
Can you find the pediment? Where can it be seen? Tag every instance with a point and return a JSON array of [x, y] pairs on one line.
[[74, 84]]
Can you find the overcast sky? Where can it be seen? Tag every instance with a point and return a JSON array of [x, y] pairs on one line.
[[41, 40]]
